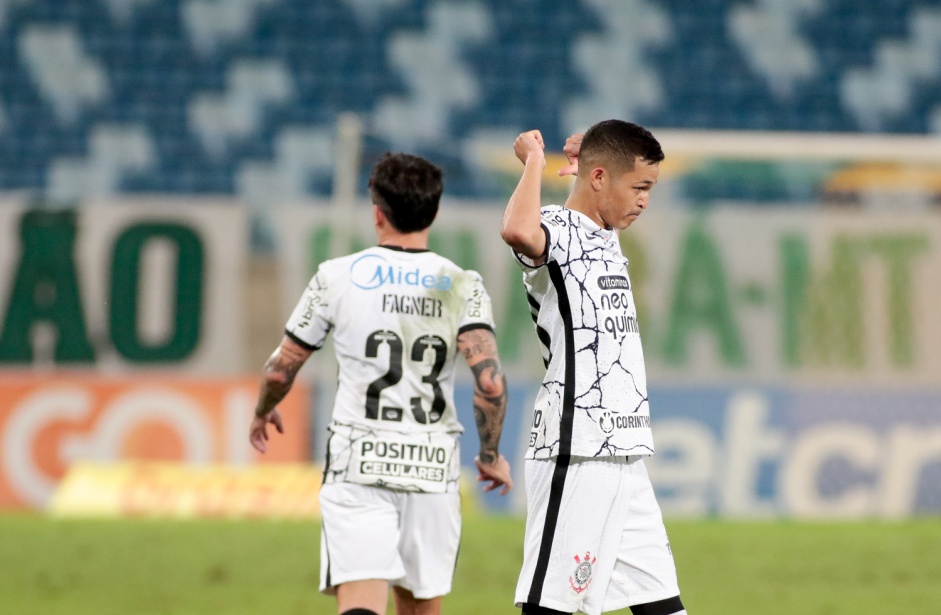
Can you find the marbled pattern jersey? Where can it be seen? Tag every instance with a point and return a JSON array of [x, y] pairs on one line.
[[593, 399]]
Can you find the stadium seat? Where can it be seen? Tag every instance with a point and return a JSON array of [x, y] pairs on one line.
[[203, 96]]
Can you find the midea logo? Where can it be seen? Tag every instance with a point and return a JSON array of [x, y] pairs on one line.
[[372, 271]]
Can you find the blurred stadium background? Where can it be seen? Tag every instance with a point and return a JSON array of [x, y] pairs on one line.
[[172, 171]]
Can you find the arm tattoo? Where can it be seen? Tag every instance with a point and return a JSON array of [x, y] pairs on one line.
[[490, 396], [280, 370]]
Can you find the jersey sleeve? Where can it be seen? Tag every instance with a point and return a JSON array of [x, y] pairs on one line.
[[312, 318], [551, 224], [478, 311]]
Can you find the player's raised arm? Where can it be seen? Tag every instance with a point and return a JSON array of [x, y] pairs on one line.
[[522, 229], [280, 369], [479, 348]]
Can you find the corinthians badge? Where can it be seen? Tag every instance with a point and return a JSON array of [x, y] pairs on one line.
[[581, 578]]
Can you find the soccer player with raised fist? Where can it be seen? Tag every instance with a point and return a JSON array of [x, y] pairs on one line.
[[595, 539]]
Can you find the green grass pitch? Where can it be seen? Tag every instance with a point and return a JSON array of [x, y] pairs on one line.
[[148, 567]]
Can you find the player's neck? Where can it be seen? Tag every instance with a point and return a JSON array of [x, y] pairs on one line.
[[580, 200], [409, 241]]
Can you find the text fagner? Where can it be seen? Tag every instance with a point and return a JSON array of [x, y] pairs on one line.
[[407, 304]]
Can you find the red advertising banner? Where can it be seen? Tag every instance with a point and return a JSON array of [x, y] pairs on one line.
[[47, 423]]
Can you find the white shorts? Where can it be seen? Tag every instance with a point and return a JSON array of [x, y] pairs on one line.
[[605, 549], [408, 539]]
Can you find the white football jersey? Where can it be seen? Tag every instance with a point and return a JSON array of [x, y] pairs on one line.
[[593, 399], [395, 316]]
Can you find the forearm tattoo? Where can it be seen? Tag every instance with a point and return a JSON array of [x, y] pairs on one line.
[[490, 395], [280, 371]]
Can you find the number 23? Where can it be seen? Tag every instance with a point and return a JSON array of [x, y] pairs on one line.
[[394, 374]]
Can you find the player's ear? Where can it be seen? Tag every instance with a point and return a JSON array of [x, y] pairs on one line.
[[598, 177], [378, 217]]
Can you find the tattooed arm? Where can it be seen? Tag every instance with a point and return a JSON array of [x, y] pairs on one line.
[[479, 348], [280, 369]]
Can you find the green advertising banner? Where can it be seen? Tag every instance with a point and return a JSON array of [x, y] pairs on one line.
[[130, 285], [768, 296]]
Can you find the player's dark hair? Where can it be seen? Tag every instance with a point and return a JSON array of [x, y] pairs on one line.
[[407, 189], [616, 145]]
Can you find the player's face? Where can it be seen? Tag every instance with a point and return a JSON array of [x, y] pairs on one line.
[[628, 195]]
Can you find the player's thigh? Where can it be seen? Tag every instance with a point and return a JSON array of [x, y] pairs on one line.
[[569, 549], [644, 570], [429, 539], [360, 534]]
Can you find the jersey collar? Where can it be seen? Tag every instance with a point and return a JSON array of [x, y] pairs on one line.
[[401, 249]]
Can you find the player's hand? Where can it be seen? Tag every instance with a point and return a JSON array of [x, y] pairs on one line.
[[258, 433], [497, 474], [572, 146], [530, 146]]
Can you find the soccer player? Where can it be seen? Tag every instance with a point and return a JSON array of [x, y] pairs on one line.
[[595, 539], [400, 314]]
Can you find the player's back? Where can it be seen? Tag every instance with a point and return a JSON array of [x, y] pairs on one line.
[[395, 316]]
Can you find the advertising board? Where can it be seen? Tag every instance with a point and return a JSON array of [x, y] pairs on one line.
[[48, 422]]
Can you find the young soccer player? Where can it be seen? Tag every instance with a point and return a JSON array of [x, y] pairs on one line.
[[400, 314], [595, 540]]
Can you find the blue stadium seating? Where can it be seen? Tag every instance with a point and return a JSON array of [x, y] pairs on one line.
[[205, 91]]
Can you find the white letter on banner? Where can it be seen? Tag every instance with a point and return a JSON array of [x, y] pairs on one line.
[[748, 440], [128, 411], [684, 466], [910, 448], [855, 443], [35, 413]]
